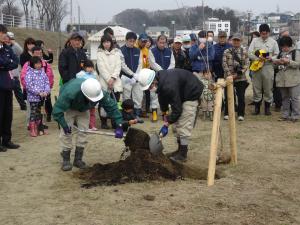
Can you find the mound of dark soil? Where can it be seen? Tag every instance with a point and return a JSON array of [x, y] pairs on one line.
[[139, 166]]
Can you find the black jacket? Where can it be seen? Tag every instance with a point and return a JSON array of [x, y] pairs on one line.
[[24, 58], [48, 58], [8, 61], [175, 87], [70, 63]]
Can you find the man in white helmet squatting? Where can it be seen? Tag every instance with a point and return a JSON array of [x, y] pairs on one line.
[[181, 90], [76, 98]]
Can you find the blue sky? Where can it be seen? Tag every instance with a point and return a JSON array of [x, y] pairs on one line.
[[104, 10]]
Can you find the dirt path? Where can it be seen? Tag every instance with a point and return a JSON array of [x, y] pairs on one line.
[[263, 189]]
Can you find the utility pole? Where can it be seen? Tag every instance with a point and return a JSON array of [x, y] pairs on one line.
[[78, 18], [203, 17], [71, 14], [249, 26]]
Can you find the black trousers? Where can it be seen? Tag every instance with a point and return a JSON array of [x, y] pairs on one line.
[[147, 98], [35, 111], [18, 92], [240, 89], [277, 95], [48, 105], [6, 115]]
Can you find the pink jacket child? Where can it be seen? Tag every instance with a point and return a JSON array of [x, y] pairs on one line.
[[36, 82], [46, 68]]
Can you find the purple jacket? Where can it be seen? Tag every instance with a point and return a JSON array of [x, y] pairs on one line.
[[36, 82]]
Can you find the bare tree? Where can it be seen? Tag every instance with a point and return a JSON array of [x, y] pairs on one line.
[[40, 5], [8, 7], [25, 4]]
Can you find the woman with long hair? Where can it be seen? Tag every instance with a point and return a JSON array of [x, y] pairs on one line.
[[109, 68]]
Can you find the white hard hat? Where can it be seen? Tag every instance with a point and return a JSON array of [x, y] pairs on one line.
[[91, 89], [145, 78]]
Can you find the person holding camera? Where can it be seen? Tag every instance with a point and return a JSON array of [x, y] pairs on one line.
[[263, 74], [235, 64], [288, 79]]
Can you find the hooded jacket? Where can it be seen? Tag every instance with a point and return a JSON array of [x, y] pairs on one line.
[[175, 87], [70, 63], [47, 69], [36, 81]]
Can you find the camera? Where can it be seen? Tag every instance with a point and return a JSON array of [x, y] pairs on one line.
[[239, 70]]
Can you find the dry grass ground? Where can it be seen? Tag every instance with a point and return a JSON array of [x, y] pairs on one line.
[[263, 189]]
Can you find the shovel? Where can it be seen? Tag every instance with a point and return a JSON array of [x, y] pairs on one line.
[[155, 144], [97, 132]]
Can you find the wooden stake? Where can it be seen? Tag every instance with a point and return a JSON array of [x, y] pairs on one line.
[[215, 133], [232, 125]]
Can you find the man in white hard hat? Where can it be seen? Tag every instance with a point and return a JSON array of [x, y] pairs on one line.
[[181, 90], [76, 98]]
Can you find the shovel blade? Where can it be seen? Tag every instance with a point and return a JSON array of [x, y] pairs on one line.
[[155, 144]]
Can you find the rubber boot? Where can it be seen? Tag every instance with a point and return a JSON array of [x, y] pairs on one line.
[[257, 108], [32, 129], [40, 128], [211, 115], [267, 109], [204, 115], [171, 154], [78, 158], [154, 115], [181, 156], [66, 165], [104, 123]]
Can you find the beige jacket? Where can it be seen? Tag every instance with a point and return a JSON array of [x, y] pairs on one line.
[[109, 66], [289, 75]]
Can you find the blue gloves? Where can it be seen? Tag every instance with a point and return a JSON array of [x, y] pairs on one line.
[[119, 132], [67, 130], [164, 130]]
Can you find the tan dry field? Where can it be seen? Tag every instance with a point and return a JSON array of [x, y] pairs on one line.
[[264, 188]]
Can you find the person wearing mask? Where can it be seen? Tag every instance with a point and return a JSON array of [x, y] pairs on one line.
[[210, 37], [75, 100], [202, 55], [131, 64], [161, 58], [236, 64], [181, 90], [186, 46], [288, 79], [27, 54], [48, 57], [219, 48], [263, 77], [17, 49], [109, 67], [8, 61], [71, 58]]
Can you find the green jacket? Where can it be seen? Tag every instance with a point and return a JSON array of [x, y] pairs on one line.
[[72, 98]]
